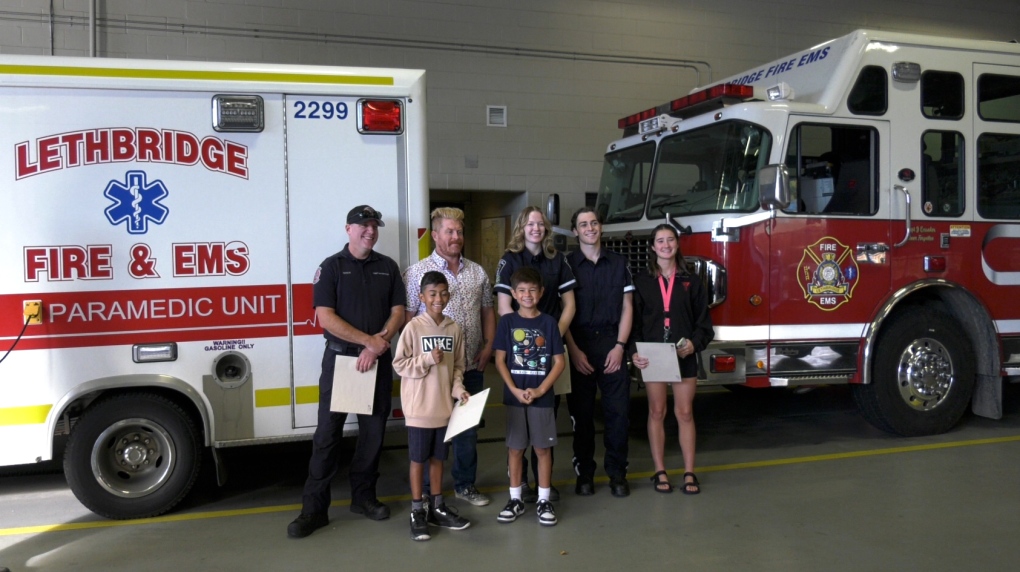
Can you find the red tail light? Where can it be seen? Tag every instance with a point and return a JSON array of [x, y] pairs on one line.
[[723, 363], [380, 116]]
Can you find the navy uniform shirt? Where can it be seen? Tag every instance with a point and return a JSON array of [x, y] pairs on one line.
[[363, 292], [556, 278], [601, 285]]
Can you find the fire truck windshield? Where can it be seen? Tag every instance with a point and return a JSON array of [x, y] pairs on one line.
[[710, 169]]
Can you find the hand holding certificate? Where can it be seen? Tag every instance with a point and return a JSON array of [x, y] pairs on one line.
[[663, 365], [353, 391], [466, 415]]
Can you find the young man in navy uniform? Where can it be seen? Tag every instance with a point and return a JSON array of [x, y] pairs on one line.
[[596, 342], [359, 301]]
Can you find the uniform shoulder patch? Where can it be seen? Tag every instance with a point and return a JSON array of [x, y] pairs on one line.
[[318, 274]]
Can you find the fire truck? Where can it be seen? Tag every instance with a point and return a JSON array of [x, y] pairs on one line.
[[854, 209], [161, 224]]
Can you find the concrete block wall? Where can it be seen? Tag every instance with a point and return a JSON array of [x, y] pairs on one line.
[[561, 112]]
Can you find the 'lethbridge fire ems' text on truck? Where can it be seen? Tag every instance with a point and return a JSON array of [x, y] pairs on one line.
[[855, 210], [161, 224]]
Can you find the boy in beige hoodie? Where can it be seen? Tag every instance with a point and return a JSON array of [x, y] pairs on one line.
[[430, 361]]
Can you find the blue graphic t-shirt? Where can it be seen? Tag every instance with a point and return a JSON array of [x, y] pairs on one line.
[[530, 344]]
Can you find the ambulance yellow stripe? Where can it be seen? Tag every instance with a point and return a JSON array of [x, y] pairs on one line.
[[307, 394], [195, 74], [272, 397], [281, 396], [29, 415]]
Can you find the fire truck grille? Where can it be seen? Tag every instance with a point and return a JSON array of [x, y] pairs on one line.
[[636, 250]]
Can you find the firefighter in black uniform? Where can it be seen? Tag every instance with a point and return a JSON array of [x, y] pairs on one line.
[[597, 340], [359, 301]]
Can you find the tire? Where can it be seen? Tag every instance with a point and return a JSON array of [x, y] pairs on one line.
[[133, 455], [922, 377]]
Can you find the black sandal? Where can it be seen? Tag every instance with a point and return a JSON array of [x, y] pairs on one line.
[[694, 483], [659, 484]]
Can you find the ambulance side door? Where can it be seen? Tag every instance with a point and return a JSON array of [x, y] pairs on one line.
[[331, 168]]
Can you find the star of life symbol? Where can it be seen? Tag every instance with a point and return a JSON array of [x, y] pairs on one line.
[[136, 202], [827, 273]]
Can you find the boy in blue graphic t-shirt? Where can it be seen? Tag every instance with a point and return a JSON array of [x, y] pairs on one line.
[[529, 358]]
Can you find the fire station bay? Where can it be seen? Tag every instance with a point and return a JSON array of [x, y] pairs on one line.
[[477, 285]]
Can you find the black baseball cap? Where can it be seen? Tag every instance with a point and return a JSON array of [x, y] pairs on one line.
[[364, 213]]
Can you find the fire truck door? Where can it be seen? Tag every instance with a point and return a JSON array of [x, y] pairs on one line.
[[830, 263], [331, 168]]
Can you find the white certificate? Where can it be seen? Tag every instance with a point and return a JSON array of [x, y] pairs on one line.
[[466, 415], [663, 364], [562, 384], [353, 391]]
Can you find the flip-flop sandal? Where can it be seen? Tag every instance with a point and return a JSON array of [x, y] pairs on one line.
[[694, 483], [659, 484]]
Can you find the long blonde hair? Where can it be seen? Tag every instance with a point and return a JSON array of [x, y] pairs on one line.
[[516, 243]]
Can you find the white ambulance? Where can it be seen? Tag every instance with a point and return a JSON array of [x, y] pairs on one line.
[[161, 223], [855, 210]]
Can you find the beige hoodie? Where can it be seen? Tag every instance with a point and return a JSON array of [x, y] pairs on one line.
[[428, 390]]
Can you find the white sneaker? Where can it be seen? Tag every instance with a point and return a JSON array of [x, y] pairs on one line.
[[546, 513], [511, 511], [471, 495]]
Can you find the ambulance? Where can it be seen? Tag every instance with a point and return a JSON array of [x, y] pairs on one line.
[[854, 209], [160, 227]]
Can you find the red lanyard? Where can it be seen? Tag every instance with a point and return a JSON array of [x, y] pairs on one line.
[[667, 294]]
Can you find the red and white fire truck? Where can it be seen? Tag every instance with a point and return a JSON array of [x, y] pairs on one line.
[[161, 223], [855, 210]]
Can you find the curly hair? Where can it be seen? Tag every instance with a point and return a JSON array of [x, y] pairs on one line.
[[516, 243]]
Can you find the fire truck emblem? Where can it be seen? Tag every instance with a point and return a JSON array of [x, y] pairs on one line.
[[136, 202], [827, 273]]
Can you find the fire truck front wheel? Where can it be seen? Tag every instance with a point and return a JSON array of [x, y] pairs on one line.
[[922, 376], [132, 456]]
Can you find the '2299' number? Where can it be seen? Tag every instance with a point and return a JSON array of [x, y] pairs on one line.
[[320, 110]]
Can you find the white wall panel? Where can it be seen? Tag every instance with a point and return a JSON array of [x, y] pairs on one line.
[[561, 113]]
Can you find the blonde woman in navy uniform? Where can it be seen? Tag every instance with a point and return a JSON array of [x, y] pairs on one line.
[[532, 245]]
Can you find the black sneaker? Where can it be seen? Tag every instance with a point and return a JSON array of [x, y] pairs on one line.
[[419, 525], [306, 524], [511, 511], [546, 513], [446, 517]]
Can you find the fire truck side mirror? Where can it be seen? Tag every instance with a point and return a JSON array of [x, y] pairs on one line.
[[773, 187], [552, 209]]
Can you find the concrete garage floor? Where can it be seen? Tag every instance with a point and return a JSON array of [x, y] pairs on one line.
[[790, 482]]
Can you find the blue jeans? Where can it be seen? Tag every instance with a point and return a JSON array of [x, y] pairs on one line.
[[465, 445]]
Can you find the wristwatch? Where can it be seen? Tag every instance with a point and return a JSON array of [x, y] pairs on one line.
[[621, 344]]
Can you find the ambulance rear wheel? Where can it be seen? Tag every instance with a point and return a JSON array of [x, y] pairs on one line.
[[132, 456], [922, 377]]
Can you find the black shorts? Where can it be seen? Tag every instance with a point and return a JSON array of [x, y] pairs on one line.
[[689, 366], [423, 444]]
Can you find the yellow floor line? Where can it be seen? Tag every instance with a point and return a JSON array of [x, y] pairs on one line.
[[403, 498]]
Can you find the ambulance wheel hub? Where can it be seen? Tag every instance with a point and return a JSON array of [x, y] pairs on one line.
[[925, 374], [133, 457]]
